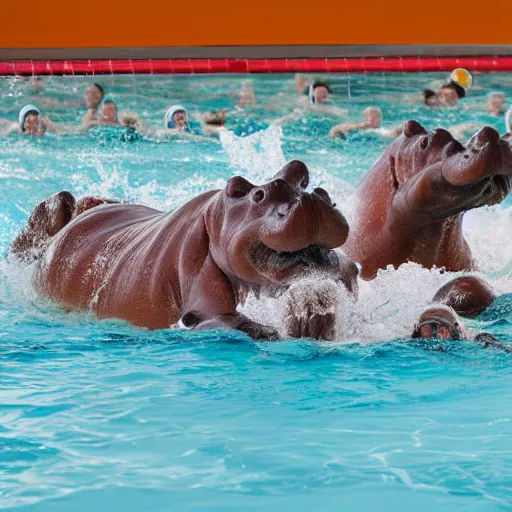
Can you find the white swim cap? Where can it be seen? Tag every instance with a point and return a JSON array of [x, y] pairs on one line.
[[168, 122], [27, 109], [508, 118]]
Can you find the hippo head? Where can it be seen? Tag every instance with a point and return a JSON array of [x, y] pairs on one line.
[[268, 234], [437, 175], [439, 321]]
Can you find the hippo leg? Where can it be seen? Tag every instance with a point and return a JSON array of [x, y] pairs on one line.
[[468, 296], [487, 340], [230, 322], [47, 219], [310, 309]]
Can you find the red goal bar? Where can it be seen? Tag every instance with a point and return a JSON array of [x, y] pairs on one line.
[[202, 66]]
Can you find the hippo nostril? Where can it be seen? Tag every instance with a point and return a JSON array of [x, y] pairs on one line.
[[258, 196], [424, 143]]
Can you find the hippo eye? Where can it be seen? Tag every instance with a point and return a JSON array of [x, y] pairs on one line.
[[424, 143], [304, 184]]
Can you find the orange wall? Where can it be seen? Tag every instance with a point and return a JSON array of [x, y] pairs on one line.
[[118, 23]]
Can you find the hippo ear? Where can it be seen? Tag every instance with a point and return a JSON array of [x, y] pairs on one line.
[[412, 128], [295, 173], [238, 187]]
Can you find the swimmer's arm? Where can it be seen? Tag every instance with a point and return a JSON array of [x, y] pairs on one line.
[[88, 119], [301, 82], [293, 116], [391, 133], [50, 126], [9, 128], [171, 132], [344, 129]]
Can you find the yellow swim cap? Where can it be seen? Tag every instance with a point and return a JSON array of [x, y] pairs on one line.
[[462, 77]]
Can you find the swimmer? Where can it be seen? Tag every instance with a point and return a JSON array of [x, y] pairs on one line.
[[372, 122], [32, 122], [93, 96], [448, 95], [441, 322], [176, 119], [496, 104], [109, 117], [318, 93], [317, 100]]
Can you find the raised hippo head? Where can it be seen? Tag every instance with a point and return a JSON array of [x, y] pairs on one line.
[[435, 174], [410, 203], [268, 234]]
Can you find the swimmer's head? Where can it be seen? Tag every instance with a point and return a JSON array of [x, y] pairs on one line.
[[217, 118], [429, 97], [447, 96], [450, 93], [373, 117], [496, 103], [93, 96], [441, 322], [109, 113], [29, 118], [176, 117], [318, 92]]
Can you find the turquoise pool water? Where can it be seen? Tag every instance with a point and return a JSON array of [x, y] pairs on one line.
[[104, 416]]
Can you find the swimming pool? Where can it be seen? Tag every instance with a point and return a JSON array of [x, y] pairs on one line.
[[101, 415]]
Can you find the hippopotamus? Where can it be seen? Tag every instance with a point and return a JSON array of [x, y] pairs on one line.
[[411, 202], [194, 265]]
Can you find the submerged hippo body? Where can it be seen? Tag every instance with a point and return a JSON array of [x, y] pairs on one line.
[[411, 202], [198, 262]]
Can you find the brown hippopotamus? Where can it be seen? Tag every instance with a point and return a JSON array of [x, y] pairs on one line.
[[196, 263], [411, 202]]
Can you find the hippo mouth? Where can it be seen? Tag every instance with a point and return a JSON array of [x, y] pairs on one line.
[[312, 257], [495, 189]]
